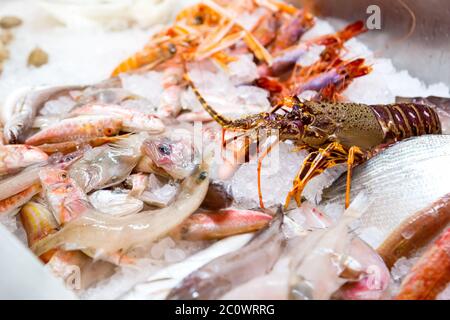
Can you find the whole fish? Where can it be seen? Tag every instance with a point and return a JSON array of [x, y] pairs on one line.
[[224, 273], [107, 165], [399, 181], [18, 156], [132, 119], [82, 127], [22, 106]]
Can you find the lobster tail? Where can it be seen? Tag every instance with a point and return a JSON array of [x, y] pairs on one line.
[[404, 120]]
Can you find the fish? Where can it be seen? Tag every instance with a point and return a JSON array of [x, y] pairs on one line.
[[11, 205], [158, 286], [139, 182], [82, 127], [132, 119], [111, 234], [175, 154], [327, 258], [430, 274], [370, 280], [115, 202], [219, 196], [373, 278], [14, 184], [78, 270], [14, 157], [159, 192], [224, 273], [399, 181], [416, 231], [107, 165], [220, 224], [37, 221], [65, 197], [22, 106], [71, 146]]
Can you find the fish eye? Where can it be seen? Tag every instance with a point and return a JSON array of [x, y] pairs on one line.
[[172, 48], [164, 149], [203, 175], [198, 20], [63, 175], [108, 131]]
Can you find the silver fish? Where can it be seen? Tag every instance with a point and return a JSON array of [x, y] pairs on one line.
[[158, 285], [221, 275], [21, 109], [400, 181]]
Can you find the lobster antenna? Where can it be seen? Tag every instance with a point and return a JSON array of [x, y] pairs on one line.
[[223, 121]]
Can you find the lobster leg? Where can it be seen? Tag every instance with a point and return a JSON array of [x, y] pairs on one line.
[[353, 152], [260, 159], [314, 164]]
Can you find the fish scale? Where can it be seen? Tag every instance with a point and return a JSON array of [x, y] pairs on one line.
[[400, 181]]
